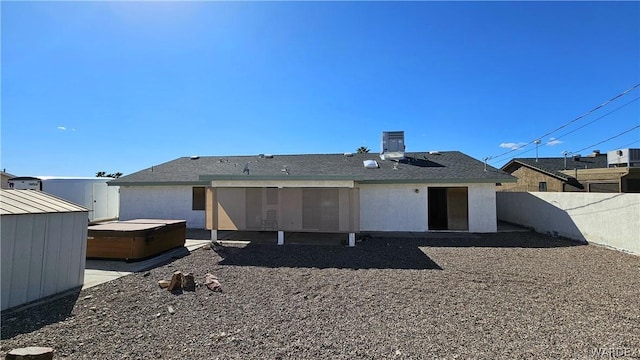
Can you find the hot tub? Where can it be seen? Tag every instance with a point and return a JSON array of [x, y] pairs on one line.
[[133, 240]]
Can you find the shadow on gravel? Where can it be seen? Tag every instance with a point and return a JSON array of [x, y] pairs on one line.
[[495, 240], [375, 254], [375, 251], [31, 317]]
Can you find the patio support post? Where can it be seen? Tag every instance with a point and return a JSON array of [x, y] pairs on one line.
[[280, 237], [214, 235], [352, 239]]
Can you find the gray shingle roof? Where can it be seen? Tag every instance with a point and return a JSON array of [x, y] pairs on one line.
[[447, 166], [552, 166]]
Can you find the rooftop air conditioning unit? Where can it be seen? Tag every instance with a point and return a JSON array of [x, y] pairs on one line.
[[392, 145]]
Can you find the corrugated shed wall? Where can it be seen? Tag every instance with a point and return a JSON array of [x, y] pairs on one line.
[[42, 254]]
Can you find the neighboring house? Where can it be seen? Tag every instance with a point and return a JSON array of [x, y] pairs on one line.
[[43, 246], [344, 193], [5, 176], [592, 173]]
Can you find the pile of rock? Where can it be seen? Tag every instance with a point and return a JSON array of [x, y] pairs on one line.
[[186, 282]]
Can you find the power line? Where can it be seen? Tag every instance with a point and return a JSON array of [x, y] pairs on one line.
[[604, 141], [569, 123], [569, 153], [592, 121]]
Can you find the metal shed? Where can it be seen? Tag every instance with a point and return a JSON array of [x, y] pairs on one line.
[[43, 245]]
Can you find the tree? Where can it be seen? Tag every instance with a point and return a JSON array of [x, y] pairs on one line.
[[362, 150], [112, 175]]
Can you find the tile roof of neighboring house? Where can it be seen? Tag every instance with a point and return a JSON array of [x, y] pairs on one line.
[[445, 167], [552, 166], [14, 202]]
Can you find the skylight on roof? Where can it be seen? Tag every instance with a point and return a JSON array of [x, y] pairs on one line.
[[370, 164]]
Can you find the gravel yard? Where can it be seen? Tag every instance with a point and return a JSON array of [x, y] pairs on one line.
[[495, 296]]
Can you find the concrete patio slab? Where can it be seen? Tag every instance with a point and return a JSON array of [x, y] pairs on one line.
[[101, 271]]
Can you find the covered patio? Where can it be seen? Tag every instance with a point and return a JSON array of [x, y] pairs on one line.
[[294, 205]]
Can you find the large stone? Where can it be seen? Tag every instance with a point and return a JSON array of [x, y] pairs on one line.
[[189, 283], [212, 282], [176, 281], [30, 353]]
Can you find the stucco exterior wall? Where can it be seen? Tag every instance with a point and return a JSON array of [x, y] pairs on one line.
[[482, 208], [383, 207], [601, 218], [401, 208], [393, 207], [160, 202]]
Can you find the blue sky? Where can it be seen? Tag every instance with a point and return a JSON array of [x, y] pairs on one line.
[[121, 86]]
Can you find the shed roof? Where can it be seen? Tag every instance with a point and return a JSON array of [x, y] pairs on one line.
[[445, 166], [15, 202]]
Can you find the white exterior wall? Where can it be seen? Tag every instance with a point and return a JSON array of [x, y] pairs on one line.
[[600, 218], [399, 208], [42, 254], [94, 194], [483, 216], [393, 207], [160, 202]]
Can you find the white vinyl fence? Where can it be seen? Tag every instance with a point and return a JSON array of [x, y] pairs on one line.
[[601, 218]]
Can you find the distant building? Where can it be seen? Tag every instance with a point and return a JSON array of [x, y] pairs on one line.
[[616, 171], [5, 179]]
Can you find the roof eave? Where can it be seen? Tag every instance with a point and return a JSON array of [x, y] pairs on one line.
[[157, 183], [544, 171], [438, 181]]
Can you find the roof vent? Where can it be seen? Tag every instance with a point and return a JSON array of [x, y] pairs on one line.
[[370, 164], [194, 157], [392, 145]]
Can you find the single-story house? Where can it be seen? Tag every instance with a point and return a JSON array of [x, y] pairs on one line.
[[341, 193], [43, 245], [592, 173]]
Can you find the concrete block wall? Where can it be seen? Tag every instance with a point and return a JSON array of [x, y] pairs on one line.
[[601, 218]]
